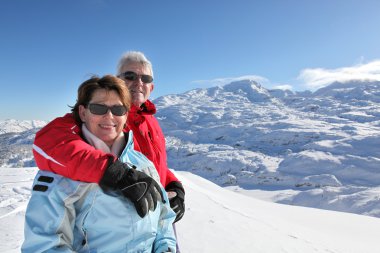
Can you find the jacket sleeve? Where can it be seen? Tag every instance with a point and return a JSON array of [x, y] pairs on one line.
[[49, 220], [161, 143], [170, 177], [59, 148], [165, 238]]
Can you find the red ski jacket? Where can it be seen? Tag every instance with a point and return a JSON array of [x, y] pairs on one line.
[[59, 147]]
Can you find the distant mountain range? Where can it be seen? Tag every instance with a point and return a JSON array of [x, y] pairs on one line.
[[18, 126], [16, 139], [319, 149]]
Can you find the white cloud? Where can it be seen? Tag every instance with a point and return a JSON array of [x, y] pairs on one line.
[[226, 80], [319, 77], [283, 87]]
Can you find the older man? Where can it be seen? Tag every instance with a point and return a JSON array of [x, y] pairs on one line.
[[59, 148]]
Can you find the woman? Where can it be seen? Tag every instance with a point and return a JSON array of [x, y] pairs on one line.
[[71, 216]]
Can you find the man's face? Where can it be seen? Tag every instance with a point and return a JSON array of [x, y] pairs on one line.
[[140, 91]]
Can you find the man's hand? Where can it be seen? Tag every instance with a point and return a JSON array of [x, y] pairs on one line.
[[176, 195], [137, 186]]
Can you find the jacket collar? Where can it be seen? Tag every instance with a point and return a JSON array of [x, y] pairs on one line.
[[137, 114], [148, 108]]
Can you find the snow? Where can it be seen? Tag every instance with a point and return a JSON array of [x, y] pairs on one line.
[[221, 220], [317, 149], [261, 168], [17, 126]]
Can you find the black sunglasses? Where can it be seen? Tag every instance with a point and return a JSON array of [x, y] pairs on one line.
[[132, 76], [98, 109]]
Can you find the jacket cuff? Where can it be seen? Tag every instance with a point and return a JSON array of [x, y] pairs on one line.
[[114, 173], [177, 187]]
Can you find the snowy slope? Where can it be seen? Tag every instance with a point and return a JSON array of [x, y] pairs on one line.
[[223, 221], [316, 149], [218, 220]]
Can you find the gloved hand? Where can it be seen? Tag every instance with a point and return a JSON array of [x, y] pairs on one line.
[[177, 201], [137, 186]]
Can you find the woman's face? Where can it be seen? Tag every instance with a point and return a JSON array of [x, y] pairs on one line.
[[108, 126]]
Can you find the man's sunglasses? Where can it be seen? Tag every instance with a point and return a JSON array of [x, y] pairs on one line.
[[98, 109], [132, 76]]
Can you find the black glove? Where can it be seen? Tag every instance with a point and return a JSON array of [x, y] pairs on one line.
[[137, 186], [177, 203]]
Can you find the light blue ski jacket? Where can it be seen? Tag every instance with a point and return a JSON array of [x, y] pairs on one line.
[[70, 216]]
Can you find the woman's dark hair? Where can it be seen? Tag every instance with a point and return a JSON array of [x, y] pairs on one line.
[[107, 82]]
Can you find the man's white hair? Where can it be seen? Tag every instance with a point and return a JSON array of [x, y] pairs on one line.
[[134, 57]]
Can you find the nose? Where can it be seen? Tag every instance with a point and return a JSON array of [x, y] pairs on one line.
[[138, 81], [135, 83], [108, 114]]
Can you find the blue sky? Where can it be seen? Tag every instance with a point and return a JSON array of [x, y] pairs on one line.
[[49, 47]]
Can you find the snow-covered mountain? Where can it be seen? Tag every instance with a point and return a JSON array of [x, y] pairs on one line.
[[18, 126], [318, 149], [16, 139]]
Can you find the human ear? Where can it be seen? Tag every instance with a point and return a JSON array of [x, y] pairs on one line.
[[82, 113]]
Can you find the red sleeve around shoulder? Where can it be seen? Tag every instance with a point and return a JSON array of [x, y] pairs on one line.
[[58, 147]]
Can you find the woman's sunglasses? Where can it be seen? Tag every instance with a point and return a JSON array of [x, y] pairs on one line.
[[132, 76], [98, 109]]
